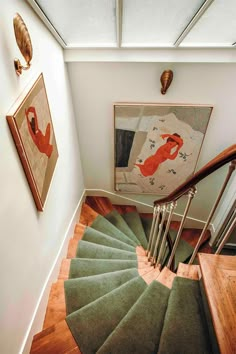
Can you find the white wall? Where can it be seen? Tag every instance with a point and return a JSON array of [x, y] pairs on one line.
[[30, 240], [97, 85]]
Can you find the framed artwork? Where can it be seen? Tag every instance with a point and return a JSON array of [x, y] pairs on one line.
[[157, 145], [32, 130]]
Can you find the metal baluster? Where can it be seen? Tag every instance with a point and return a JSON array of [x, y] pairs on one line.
[[191, 194], [232, 167], [163, 211], [228, 233], [152, 229], [154, 232], [162, 248]]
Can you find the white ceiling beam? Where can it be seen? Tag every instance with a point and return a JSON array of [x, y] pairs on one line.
[[178, 55], [47, 22], [193, 22], [119, 21]]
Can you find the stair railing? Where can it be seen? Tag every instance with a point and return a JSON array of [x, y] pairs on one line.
[[165, 206]]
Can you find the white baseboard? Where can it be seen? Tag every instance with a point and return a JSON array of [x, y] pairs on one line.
[[143, 207], [36, 323]]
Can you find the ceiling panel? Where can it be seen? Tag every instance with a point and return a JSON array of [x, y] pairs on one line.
[[216, 27], [152, 23], [83, 23]]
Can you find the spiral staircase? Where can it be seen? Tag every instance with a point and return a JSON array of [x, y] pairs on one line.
[[115, 295]]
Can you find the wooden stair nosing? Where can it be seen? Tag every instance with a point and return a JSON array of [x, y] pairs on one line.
[[56, 339], [166, 277], [190, 271]]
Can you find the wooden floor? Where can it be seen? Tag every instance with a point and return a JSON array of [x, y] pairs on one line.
[[219, 278]]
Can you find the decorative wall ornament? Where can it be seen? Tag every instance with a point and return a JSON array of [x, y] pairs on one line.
[[32, 130], [157, 145], [24, 43], [166, 79]]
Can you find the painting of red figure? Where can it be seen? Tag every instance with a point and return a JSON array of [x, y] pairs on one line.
[[32, 129], [169, 151], [42, 141], [157, 145]]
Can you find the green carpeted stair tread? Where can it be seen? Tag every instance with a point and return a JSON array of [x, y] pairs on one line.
[[147, 224], [184, 249], [91, 250], [92, 324], [118, 221], [82, 267], [82, 291], [134, 221], [98, 237], [140, 330], [103, 225], [184, 325]]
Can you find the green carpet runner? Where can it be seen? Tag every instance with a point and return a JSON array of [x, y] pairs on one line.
[[135, 223], [94, 236], [185, 323], [117, 220], [110, 309], [80, 292], [92, 324], [143, 323], [91, 250], [83, 267]]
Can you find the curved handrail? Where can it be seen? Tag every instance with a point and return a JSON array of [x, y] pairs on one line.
[[220, 160]]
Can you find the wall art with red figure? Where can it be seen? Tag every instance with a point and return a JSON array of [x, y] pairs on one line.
[[157, 146], [32, 130]]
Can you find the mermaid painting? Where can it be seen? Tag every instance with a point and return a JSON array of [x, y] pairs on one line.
[[163, 153]]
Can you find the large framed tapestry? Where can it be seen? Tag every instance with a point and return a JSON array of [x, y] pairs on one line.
[[32, 130], [157, 145]]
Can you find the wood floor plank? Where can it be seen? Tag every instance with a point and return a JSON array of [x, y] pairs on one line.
[[56, 308], [101, 205], [88, 215], [219, 279], [123, 209], [65, 269], [56, 339]]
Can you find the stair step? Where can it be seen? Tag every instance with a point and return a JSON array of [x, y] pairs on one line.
[[103, 225], [185, 322], [98, 237], [56, 339], [101, 205], [79, 231], [108, 312], [65, 269], [82, 267], [56, 308], [82, 291], [135, 223], [166, 277], [87, 215], [139, 331], [91, 250], [117, 220], [219, 282], [189, 271], [122, 209], [152, 275]]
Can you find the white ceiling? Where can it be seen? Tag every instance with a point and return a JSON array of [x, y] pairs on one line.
[[140, 23]]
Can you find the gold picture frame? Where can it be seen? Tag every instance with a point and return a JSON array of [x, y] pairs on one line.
[[32, 130], [157, 145]]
